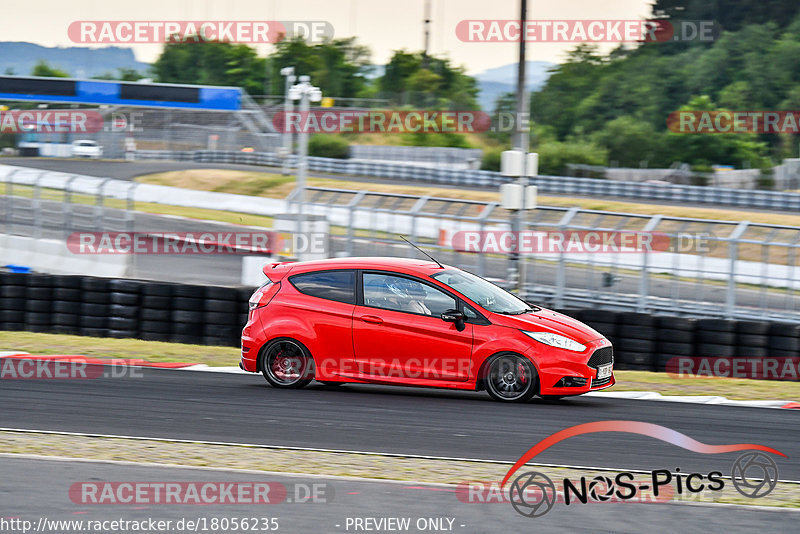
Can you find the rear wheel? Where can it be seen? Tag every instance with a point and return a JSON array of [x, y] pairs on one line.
[[285, 363], [511, 378]]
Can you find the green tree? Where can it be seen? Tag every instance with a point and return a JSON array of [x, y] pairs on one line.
[[43, 69]]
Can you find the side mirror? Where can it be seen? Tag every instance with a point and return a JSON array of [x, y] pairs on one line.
[[454, 316]]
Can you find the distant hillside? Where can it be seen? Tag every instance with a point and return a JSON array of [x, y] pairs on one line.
[[499, 80], [79, 62]]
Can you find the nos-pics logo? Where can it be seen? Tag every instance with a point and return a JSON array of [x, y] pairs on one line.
[[533, 494]]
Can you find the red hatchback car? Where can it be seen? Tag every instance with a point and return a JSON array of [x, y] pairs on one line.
[[415, 323]]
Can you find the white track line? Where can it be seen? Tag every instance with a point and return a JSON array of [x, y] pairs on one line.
[[337, 451]]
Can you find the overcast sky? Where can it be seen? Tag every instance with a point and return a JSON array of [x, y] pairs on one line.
[[383, 25]]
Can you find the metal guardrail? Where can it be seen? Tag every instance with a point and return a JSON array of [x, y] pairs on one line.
[[728, 269], [562, 185], [744, 270]]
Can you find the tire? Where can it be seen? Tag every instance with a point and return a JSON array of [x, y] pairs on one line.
[[8, 303], [12, 279], [715, 325], [118, 310], [40, 293], [598, 316], [66, 281], [510, 377], [40, 328], [189, 291], [122, 334], [183, 316], [157, 290], [155, 336], [16, 292], [752, 340], [94, 284], [189, 339], [713, 350], [155, 327], [188, 304], [637, 332], [122, 323], [222, 293], [221, 306], [213, 341], [719, 338], [287, 364], [784, 343], [90, 321], [635, 358], [95, 297], [677, 323], [757, 328], [43, 306], [752, 352], [11, 316], [63, 306], [37, 318], [66, 319], [149, 314], [128, 299], [64, 329], [125, 286], [675, 336], [783, 329], [96, 310], [636, 319], [160, 303], [675, 349], [61, 293], [222, 331], [16, 327], [221, 318], [39, 280], [636, 345], [93, 332], [188, 329]]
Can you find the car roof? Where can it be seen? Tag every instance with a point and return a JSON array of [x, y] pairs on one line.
[[405, 265]]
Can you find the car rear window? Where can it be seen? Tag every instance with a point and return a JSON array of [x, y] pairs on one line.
[[331, 285]]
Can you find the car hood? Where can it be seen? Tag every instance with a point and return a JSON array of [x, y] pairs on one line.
[[546, 320]]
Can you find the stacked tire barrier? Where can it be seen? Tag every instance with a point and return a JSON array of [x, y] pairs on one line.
[[757, 349], [213, 315], [104, 307]]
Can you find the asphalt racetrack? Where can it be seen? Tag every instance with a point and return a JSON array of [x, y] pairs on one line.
[[244, 409]]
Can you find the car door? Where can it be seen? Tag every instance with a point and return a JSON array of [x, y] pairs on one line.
[[398, 332]]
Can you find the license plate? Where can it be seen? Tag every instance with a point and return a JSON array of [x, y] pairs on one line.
[[604, 371]]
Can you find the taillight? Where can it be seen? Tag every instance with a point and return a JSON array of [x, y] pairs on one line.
[[263, 295]]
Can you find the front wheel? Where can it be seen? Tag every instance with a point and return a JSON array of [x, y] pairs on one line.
[[511, 378], [285, 363]]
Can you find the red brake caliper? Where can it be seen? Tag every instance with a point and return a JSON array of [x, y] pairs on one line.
[[521, 371]]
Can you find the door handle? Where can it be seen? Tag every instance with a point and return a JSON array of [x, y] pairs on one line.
[[371, 319]]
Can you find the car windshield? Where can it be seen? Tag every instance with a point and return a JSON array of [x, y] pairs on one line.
[[484, 293]]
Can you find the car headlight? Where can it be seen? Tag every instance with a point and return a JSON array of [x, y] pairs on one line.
[[555, 340]]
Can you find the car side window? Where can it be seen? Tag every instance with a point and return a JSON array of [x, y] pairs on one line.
[[331, 285], [404, 294]]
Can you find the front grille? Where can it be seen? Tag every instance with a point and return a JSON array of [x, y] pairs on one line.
[[601, 357], [602, 382]]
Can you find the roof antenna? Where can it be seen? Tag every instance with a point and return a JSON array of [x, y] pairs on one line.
[[434, 260]]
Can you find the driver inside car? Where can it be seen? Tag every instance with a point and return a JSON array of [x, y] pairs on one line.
[[408, 295]]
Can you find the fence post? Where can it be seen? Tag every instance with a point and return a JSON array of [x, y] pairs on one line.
[[484, 214], [644, 281], [36, 206], [351, 206], [561, 275], [99, 206], [733, 253], [8, 217]]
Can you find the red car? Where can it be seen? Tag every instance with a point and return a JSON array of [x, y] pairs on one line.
[[415, 323]]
